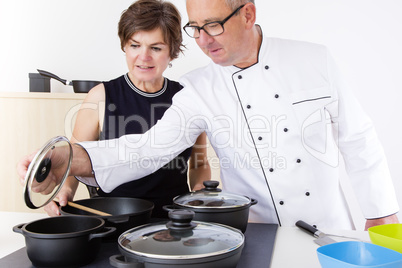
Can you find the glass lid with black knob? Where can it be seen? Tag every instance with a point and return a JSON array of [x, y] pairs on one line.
[[211, 197], [45, 168], [181, 238]]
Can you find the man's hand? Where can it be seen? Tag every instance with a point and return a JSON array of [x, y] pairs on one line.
[[380, 221], [58, 158], [22, 166]]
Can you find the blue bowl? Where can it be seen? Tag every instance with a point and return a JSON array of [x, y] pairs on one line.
[[354, 254]]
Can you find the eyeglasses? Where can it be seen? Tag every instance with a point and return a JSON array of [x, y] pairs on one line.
[[213, 28]]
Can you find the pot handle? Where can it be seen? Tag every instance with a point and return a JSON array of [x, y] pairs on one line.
[[253, 201], [18, 228], [169, 207], [120, 262], [50, 75], [119, 219], [109, 231]]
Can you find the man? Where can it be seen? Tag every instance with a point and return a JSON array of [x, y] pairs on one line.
[[275, 111]]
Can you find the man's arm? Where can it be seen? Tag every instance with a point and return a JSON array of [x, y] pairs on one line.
[[385, 220]]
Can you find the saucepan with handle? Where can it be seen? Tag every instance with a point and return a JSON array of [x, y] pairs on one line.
[[79, 86], [211, 204]]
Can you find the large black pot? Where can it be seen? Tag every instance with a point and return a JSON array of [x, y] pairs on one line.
[[66, 241], [126, 212], [211, 204], [179, 243]]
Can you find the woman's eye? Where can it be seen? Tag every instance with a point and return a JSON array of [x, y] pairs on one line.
[[156, 48], [134, 46]]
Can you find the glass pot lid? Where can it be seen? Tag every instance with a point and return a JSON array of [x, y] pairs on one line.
[[181, 238], [211, 197], [42, 172]]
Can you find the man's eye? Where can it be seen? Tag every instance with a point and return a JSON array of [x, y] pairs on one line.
[[213, 25], [156, 48]]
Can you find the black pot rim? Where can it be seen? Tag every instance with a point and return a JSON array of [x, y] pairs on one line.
[[140, 212], [85, 232]]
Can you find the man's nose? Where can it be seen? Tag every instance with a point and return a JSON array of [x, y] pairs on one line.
[[204, 38]]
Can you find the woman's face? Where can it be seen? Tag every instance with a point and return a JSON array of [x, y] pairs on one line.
[[147, 57]]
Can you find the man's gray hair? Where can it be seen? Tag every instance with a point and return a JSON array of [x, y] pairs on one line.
[[233, 4]]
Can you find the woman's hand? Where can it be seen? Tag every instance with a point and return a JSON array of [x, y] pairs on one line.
[[66, 194]]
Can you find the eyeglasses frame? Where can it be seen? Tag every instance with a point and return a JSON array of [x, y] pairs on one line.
[[222, 22]]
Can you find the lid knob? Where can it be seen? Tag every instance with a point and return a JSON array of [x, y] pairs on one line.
[[180, 220], [211, 186], [43, 170]]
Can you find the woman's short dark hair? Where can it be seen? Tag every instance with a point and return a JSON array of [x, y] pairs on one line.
[[148, 15]]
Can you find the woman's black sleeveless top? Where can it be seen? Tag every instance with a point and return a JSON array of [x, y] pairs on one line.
[[129, 110]]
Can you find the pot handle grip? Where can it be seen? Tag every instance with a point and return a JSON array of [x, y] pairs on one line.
[[119, 219], [169, 207], [120, 262], [253, 201], [109, 231], [18, 228]]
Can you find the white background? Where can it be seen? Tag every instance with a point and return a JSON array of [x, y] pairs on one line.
[[78, 40]]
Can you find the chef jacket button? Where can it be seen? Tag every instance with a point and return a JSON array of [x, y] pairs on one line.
[[266, 67], [249, 106], [298, 160], [281, 203], [271, 170], [307, 193], [240, 77], [315, 226], [260, 138], [285, 129], [276, 96]]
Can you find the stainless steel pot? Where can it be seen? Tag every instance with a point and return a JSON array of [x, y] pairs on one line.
[[180, 242], [211, 204]]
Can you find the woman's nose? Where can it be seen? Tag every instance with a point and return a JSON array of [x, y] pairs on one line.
[[145, 54]]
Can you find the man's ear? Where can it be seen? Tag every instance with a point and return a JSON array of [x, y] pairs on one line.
[[250, 14]]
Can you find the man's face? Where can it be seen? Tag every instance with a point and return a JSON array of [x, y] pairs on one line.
[[225, 49]]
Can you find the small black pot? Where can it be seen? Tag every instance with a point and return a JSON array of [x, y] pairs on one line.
[[84, 86], [179, 243], [126, 212], [66, 241], [211, 204], [79, 86]]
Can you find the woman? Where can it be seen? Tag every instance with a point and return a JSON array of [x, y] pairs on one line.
[[150, 36]]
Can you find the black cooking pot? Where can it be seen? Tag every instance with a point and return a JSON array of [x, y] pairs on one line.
[[180, 242], [66, 241], [79, 86], [211, 204], [126, 212]]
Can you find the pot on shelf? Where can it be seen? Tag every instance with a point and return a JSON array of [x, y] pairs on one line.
[[79, 86], [211, 204], [180, 242], [65, 241], [126, 212]]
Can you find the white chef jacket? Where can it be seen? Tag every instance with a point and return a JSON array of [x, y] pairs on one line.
[[277, 127]]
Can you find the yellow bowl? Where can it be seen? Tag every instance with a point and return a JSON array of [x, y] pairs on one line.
[[387, 235]]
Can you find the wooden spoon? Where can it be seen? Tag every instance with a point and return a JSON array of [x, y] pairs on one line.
[[87, 209]]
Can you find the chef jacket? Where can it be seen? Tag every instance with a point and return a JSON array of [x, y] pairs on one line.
[[280, 129]]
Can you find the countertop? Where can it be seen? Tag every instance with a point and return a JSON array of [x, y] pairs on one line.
[[292, 247]]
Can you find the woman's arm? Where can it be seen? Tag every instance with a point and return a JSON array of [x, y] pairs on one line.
[[199, 169], [87, 127]]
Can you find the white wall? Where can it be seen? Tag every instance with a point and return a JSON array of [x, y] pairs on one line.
[[78, 40]]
